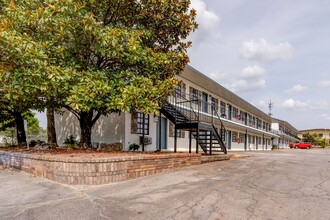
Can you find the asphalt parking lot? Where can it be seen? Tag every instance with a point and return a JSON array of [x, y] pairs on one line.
[[285, 184]]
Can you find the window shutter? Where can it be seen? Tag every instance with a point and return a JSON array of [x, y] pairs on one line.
[[190, 93], [171, 129], [134, 123], [183, 90]]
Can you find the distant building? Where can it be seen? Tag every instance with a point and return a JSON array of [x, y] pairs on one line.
[[286, 133], [323, 133]]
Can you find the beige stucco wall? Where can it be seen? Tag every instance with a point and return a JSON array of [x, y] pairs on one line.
[[108, 129]]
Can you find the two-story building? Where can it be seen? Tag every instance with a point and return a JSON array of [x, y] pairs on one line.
[[286, 133], [201, 116]]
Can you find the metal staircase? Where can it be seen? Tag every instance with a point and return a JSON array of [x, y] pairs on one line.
[[186, 115]]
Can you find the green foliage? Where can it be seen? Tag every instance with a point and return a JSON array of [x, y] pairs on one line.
[[92, 56], [33, 125], [134, 147], [315, 139], [70, 142], [6, 120]]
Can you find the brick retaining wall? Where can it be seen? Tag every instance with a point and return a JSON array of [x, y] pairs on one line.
[[94, 171]]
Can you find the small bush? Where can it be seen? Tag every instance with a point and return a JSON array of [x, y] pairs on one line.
[[134, 147], [33, 143], [70, 142]]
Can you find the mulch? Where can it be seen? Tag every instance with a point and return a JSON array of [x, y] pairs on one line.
[[78, 152]]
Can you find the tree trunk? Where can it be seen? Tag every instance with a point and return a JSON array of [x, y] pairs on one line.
[[51, 132], [86, 124], [20, 131]]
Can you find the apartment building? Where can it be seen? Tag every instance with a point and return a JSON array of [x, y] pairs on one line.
[[323, 133], [201, 116], [285, 132]]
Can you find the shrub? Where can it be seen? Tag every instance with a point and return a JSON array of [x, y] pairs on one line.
[[134, 147], [70, 142]]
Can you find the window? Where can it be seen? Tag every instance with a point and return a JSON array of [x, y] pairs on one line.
[[242, 116], [222, 134], [138, 122], [250, 120], [234, 136], [177, 91], [223, 109], [194, 95], [258, 123], [179, 134], [235, 112], [242, 138], [253, 121], [249, 137], [215, 104], [180, 90]]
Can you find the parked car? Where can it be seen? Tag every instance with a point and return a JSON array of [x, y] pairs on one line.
[[301, 145]]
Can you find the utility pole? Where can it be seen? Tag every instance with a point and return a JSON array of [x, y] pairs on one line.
[[270, 107]]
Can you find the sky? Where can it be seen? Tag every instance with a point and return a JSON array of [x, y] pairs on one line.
[[269, 50]]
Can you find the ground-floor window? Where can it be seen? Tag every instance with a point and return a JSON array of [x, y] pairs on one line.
[[234, 136], [139, 123], [179, 133], [242, 138]]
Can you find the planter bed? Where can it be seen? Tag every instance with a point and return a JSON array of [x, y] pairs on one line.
[[95, 168]]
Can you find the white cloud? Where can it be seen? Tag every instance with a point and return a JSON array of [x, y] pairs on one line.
[[324, 83], [264, 50], [297, 88], [252, 72], [293, 104], [246, 86], [251, 79], [207, 24]]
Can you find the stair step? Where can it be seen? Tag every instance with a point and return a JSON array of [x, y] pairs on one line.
[[204, 136]]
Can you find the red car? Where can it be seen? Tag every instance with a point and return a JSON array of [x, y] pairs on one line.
[[301, 145]]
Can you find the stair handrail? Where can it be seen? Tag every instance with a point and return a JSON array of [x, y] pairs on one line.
[[223, 129], [181, 105]]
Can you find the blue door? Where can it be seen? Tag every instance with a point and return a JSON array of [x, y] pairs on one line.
[[161, 133]]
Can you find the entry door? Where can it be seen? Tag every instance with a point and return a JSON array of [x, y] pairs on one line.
[[229, 111], [257, 142], [229, 140], [162, 133], [204, 102]]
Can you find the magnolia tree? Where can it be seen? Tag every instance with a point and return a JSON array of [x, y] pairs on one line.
[[93, 57]]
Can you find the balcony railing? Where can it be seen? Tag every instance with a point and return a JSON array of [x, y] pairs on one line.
[[199, 110]]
